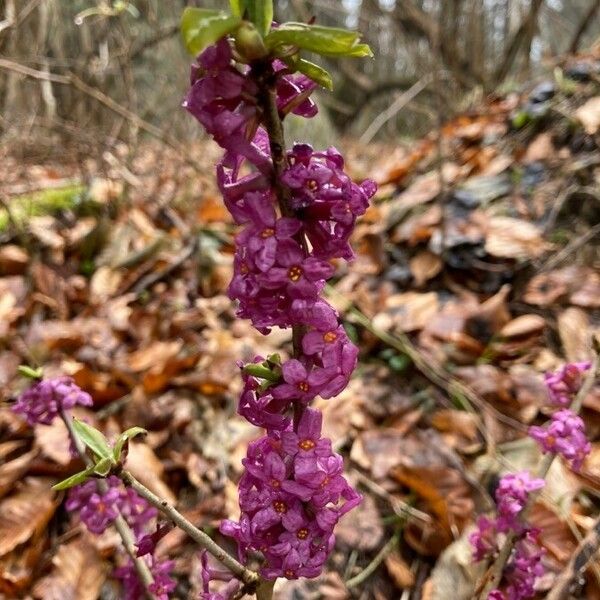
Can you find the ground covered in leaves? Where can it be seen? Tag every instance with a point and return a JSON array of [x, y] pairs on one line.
[[478, 269]]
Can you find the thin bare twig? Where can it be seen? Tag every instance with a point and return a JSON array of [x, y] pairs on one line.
[[249, 577]]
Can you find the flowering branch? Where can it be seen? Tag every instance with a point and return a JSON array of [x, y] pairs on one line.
[[493, 576], [124, 531], [202, 539]]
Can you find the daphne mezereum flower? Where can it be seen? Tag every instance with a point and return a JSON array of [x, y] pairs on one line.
[[161, 587], [564, 384], [565, 435], [512, 495], [292, 492], [98, 510], [524, 565], [291, 496], [45, 399]]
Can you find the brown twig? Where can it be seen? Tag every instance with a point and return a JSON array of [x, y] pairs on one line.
[[121, 525], [273, 124], [249, 577], [577, 564]]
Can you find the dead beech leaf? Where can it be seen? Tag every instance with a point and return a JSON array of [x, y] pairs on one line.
[[541, 148], [104, 284], [443, 488], [78, 573], [361, 528], [456, 421], [399, 571], [555, 534], [54, 442], [425, 266], [514, 238], [406, 312], [156, 353], [574, 331], [14, 470], [379, 450], [589, 115], [13, 259], [523, 325], [146, 466], [25, 513], [424, 189]]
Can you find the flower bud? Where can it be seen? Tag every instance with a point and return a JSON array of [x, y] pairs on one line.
[[249, 43]]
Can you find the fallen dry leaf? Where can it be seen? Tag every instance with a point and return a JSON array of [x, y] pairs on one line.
[[574, 331], [514, 238], [424, 266], [361, 529], [145, 466], [78, 573], [589, 115], [25, 513], [399, 571]]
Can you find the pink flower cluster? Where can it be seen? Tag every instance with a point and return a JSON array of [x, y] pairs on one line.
[[565, 435], [524, 565], [98, 511], [294, 221], [46, 398], [41, 403], [564, 384]]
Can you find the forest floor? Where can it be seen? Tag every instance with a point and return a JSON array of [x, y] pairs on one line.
[[477, 270]]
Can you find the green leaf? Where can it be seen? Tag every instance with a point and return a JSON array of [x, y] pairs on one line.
[[93, 439], [261, 14], [261, 372], [328, 41], [124, 439], [201, 27], [237, 7], [103, 466], [315, 72], [76, 479], [30, 372]]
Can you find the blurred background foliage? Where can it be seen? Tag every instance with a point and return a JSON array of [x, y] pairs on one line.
[[79, 70]]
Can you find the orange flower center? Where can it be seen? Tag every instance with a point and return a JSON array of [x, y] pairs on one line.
[[268, 232], [280, 506], [244, 270], [302, 534], [329, 337], [290, 574], [306, 445], [295, 273], [303, 386], [312, 185], [275, 483]]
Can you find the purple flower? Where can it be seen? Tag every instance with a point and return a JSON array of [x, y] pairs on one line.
[[163, 583], [328, 199], [564, 384], [483, 539], [45, 399], [302, 384], [512, 495], [98, 510], [496, 595], [565, 436], [524, 568], [307, 439], [291, 496], [209, 573]]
